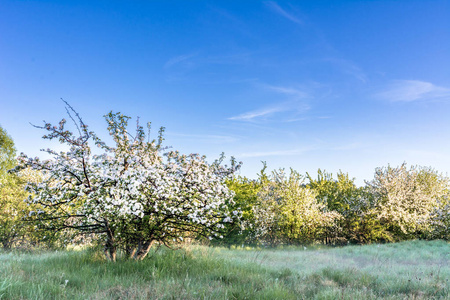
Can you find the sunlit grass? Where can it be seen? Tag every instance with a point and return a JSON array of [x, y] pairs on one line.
[[416, 269]]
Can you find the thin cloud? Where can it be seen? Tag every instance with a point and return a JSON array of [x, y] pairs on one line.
[[287, 91], [296, 120], [233, 22], [231, 59], [277, 9], [293, 105], [348, 67], [248, 116], [350, 146], [273, 153], [414, 90], [306, 118], [177, 59], [180, 68], [206, 138], [239, 58]]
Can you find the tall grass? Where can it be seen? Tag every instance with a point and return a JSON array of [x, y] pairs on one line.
[[417, 270], [413, 269]]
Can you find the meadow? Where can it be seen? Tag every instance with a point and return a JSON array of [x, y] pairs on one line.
[[406, 270]]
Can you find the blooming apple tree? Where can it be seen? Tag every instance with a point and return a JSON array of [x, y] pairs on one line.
[[406, 199], [130, 194]]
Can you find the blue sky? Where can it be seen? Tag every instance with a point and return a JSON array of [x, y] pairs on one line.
[[337, 85]]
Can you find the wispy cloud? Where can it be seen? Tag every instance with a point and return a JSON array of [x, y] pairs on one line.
[[290, 109], [350, 146], [294, 105], [295, 119], [419, 154], [178, 59], [273, 153], [249, 116], [180, 67], [287, 91], [414, 90], [229, 59], [348, 67], [205, 138], [232, 21], [195, 59], [277, 9]]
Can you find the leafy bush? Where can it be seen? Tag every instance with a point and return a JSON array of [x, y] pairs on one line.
[[245, 198], [405, 199], [358, 223], [287, 211], [440, 220]]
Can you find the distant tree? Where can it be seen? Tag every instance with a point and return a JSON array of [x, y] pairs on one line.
[[334, 193], [8, 191], [440, 220], [288, 211], [245, 198], [354, 204], [405, 198], [7, 152], [13, 209], [131, 194]]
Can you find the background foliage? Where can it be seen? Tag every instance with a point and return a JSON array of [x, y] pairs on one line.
[[144, 195]]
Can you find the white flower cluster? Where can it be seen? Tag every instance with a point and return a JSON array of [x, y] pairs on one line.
[[406, 198]]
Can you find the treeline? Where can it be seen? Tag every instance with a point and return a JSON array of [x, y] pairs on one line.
[[135, 195], [399, 203]]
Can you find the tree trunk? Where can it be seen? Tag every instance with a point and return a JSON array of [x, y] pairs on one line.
[[7, 242], [110, 247], [142, 250], [110, 253], [6, 245], [132, 252]]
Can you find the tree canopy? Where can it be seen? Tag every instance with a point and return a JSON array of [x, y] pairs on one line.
[[131, 194]]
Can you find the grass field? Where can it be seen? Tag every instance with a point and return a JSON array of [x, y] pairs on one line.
[[408, 270]]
